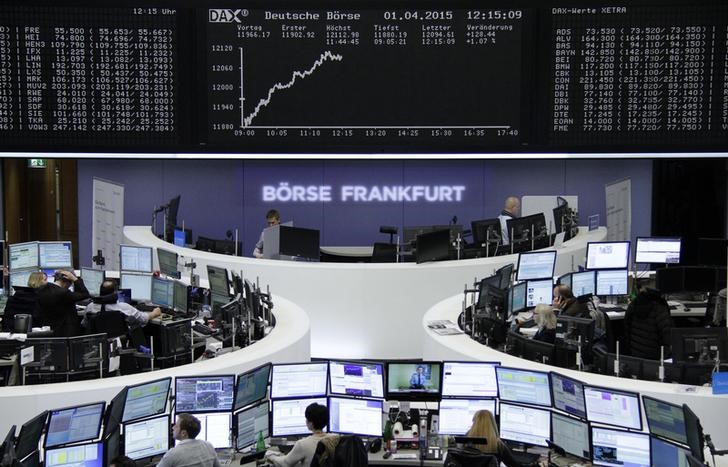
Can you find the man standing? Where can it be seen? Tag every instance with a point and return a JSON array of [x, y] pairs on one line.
[[58, 304], [189, 452], [511, 209], [418, 379], [272, 218]]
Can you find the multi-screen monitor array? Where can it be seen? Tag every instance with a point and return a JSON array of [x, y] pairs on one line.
[[532, 407]]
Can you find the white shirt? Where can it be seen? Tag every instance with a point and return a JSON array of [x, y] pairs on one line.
[[190, 453], [134, 317], [301, 454]]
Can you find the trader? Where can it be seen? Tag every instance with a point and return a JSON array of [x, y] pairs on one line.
[[317, 417], [568, 305], [57, 303], [511, 209], [647, 325], [272, 218], [189, 452], [23, 301], [108, 300]]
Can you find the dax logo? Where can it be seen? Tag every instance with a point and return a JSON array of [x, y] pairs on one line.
[[226, 15]]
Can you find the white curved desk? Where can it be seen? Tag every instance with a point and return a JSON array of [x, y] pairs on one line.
[[361, 310], [712, 409]]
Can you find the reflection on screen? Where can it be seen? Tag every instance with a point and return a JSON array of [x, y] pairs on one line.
[[23, 255], [300, 380], [612, 282], [570, 434], [252, 421], [456, 415], [355, 416], [657, 250], [583, 283], [252, 386], [92, 279], [55, 255], [620, 448], [539, 292], [469, 379], [288, 416], [140, 285], [525, 424], [536, 265], [146, 399], [527, 387], [74, 424], [84, 455], [613, 407], [669, 454], [607, 255], [147, 438], [135, 258], [204, 393], [357, 379], [215, 428], [568, 395], [665, 419], [413, 378]]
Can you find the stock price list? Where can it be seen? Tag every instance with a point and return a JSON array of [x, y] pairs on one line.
[[91, 76], [622, 75], [380, 77]]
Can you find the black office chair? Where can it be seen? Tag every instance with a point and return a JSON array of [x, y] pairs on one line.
[[469, 457], [348, 451], [384, 253]]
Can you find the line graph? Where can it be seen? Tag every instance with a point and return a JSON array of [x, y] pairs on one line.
[[246, 121]]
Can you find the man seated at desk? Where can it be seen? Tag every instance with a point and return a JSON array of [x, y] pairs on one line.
[[565, 301], [108, 300]]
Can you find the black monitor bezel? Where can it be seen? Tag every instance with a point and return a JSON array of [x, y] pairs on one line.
[[529, 307], [240, 376], [553, 395], [467, 399], [215, 292], [636, 249], [617, 391], [176, 273], [650, 428], [24, 268], [566, 415], [467, 396], [611, 428], [39, 422], [169, 436], [111, 422], [357, 399], [559, 279], [525, 406], [627, 257], [198, 377], [50, 419], [126, 399], [593, 273], [352, 362], [668, 442], [412, 396], [77, 445], [548, 376], [326, 383], [70, 249], [596, 282], [534, 253], [248, 408], [151, 259], [511, 291], [168, 281], [272, 412]]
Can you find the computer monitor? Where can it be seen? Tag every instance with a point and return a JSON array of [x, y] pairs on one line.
[[74, 424], [146, 399], [298, 243], [195, 394], [539, 291], [433, 246], [694, 430], [92, 279], [413, 380], [669, 454], [456, 415], [168, 263], [250, 422], [568, 395], [228, 247], [527, 232], [486, 231], [205, 244], [356, 378], [712, 251], [252, 386], [179, 297], [8, 445], [539, 351], [147, 438], [469, 379], [613, 282], [162, 292], [570, 328], [182, 237], [607, 255], [565, 280], [571, 434], [114, 413], [583, 283], [613, 407], [29, 436], [561, 217], [112, 445], [80, 455], [523, 386], [536, 265], [23, 255], [665, 419], [135, 258], [670, 280], [55, 255], [20, 278], [140, 285], [175, 338], [85, 352], [219, 284], [527, 425], [660, 250], [699, 345], [288, 416], [299, 380], [505, 273], [355, 416], [215, 428], [612, 447], [517, 298]]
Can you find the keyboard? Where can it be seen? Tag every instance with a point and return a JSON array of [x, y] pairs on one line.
[[202, 329], [526, 458]]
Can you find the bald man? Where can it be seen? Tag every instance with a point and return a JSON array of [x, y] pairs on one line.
[[511, 209]]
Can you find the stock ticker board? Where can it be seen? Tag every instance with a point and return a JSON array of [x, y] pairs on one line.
[[355, 76]]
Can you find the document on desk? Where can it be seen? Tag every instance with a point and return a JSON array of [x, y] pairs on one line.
[[444, 327], [405, 455]]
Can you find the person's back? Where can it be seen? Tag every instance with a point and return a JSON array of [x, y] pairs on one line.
[[58, 304], [23, 301], [647, 325]]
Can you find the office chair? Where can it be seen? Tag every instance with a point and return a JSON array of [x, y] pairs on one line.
[[113, 324], [384, 253], [469, 457]]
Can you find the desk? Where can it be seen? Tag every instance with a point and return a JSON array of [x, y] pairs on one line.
[[378, 459]]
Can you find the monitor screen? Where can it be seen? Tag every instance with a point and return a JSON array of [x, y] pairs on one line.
[[252, 386], [167, 263], [355, 416], [139, 284], [81, 455], [517, 298], [413, 380], [356, 379], [568, 395], [456, 415], [92, 279], [566, 280], [536, 265], [215, 428], [571, 434], [712, 251], [23, 255], [583, 283], [433, 246], [526, 425], [288, 416], [147, 438], [524, 386], [146, 400], [114, 413], [29, 435], [135, 258], [250, 422], [610, 407], [179, 237], [620, 448], [74, 424], [539, 292], [162, 292], [180, 295], [469, 379], [612, 282], [670, 455], [55, 255], [219, 284], [20, 278], [698, 345], [204, 393], [665, 419], [302, 244], [607, 255], [660, 250], [299, 380]]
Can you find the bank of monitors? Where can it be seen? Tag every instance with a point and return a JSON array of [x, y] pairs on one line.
[[356, 379], [614, 282], [167, 263], [612, 447], [250, 422], [607, 255], [517, 298], [74, 424], [180, 295], [252, 386], [699, 345], [219, 285], [135, 258], [527, 425], [523, 386], [665, 420], [571, 434], [583, 283], [669, 454], [486, 231], [613, 407], [539, 291], [215, 428], [146, 400], [288, 416], [162, 292], [29, 436], [469, 379], [660, 250], [456, 415], [80, 455], [568, 395], [197, 394], [355, 416], [536, 265], [139, 284], [23, 256], [299, 380], [413, 380], [147, 438], [92, 279], [55, 255]]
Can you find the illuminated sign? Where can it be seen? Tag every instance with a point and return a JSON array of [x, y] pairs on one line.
[[284, 192]]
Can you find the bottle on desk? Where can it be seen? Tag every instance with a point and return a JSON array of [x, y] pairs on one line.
[[260, 444]]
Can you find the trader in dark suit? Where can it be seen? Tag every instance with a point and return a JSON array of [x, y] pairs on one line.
[[58, 304]]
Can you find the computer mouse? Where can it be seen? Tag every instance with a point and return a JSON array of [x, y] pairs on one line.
[[375, 445]]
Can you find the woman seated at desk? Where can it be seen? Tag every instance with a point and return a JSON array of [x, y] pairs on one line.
[[545, 319], [484, 426], [317, 417]]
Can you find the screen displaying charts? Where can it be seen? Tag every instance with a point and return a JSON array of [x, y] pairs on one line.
[[74, 424], [146, 400], [23, 255], [55, 255], [355, 416], [299, 380], [147, 438], [570, 434], [288, 416], [135, 258], [83, 455], [215, 428], [469, 379], [536, 265], [139, 284], [524, 386], [607, 255], [525, 424], [612, 282], [92, 279], [456, 415], [204, 394], [583, 283], [568, 395], [613, 407], [657, 250], [665, 419], [357, 379], [250, 422], [252, 386], [620, 448]]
